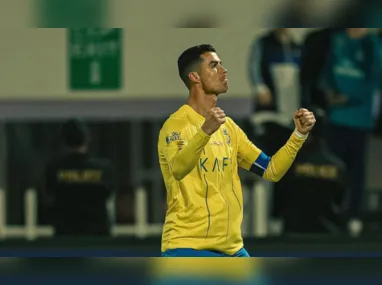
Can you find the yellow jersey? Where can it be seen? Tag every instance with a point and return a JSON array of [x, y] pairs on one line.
[[204, 194]]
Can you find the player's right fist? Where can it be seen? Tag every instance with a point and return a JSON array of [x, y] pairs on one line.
[[214, 119]]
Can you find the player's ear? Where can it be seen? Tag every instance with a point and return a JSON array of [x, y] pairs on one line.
[[194, 77]]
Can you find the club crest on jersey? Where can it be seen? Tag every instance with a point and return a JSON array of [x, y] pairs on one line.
[[174, 136], [228, 137]]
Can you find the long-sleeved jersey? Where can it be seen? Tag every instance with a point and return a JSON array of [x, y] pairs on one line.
[[204, 194]]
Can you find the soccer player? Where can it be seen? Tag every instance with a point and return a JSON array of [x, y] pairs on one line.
[[200, 151]]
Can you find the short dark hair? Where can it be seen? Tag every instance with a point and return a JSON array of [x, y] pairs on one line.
[[189, 58], [75, 133]]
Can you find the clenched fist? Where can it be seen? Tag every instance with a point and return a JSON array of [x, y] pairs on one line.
[[304, 121], [214, 119]]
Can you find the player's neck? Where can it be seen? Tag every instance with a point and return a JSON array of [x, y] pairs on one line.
[[202, 103]]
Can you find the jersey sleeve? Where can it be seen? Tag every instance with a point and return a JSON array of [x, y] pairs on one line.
[[272, 168], [180, 148]]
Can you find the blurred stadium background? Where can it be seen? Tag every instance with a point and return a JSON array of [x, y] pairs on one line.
[[124, 83]]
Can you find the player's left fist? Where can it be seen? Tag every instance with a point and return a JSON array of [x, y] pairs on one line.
[[304, 121]]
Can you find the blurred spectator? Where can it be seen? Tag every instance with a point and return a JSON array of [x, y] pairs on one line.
[[311, 195], [315, 48], [351, 79], [273, 72], [79, 186]]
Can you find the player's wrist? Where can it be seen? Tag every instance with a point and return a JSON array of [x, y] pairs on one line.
[[301, 135], [206, 130]]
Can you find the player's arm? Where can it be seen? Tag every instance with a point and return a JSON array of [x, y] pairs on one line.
[[274, 168], [182, 154]]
